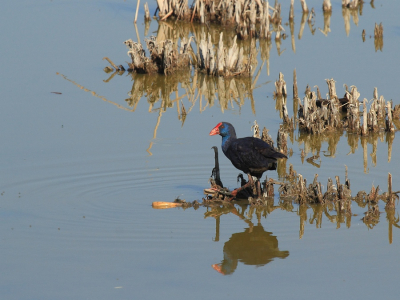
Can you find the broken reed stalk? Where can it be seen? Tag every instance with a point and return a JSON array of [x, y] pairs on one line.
[[285, 116], [281, 141], [364, 127], [137, 34], [311, 15], [137, 10], [264, 32], [332, 89], [267, 138], [167, 15], [256, 130], [146, 13], [111, 63], [280, 86], [327, 6], [378, 31], [318, 92], [391, 196], [389, 121], [291, 11], [295, 91], [194, 10], [304, 6]]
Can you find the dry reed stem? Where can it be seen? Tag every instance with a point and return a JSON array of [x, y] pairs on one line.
[[295, 90], [167, 15], [111, 63], [137, 10]]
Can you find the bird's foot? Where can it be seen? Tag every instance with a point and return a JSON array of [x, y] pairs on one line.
[[233, 195]]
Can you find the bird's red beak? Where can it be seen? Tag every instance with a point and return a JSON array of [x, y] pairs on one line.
[[215, 130]]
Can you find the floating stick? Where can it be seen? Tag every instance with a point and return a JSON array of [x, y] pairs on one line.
[[164, 205]]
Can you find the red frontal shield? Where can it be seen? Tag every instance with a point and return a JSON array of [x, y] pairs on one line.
[[215, 130]]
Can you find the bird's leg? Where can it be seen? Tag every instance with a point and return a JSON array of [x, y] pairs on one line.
[[251, 181], [236, 191], [255, 186]]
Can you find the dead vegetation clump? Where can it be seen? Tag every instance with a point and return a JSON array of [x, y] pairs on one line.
[[244, 15], [321, 116], [224, 61], [294, 189], [164, 56]]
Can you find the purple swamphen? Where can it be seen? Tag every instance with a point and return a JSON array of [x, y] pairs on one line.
[[250, 155]]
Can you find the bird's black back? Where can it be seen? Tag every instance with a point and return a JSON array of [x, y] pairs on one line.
[[252, 155]]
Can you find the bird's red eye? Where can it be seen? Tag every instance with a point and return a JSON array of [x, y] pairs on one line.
[[222, 126]]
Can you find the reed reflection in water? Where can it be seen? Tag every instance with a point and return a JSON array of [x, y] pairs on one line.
[[231, 94], [257, 247]]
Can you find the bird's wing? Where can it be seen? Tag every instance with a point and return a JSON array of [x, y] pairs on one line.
[[265, 149], [244, 156]]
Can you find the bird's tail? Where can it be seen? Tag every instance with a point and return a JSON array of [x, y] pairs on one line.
[[280, 155]]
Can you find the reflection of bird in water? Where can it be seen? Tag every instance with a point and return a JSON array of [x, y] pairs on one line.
[[254, 246]]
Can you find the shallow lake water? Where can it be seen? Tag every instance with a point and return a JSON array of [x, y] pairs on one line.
[[81, 163]]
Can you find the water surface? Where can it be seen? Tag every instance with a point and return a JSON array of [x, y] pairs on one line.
[[80, 169]]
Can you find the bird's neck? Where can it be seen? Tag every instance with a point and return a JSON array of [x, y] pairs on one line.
[[226, 141]]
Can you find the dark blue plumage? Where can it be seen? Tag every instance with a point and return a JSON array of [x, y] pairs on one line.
[[250, 155]]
